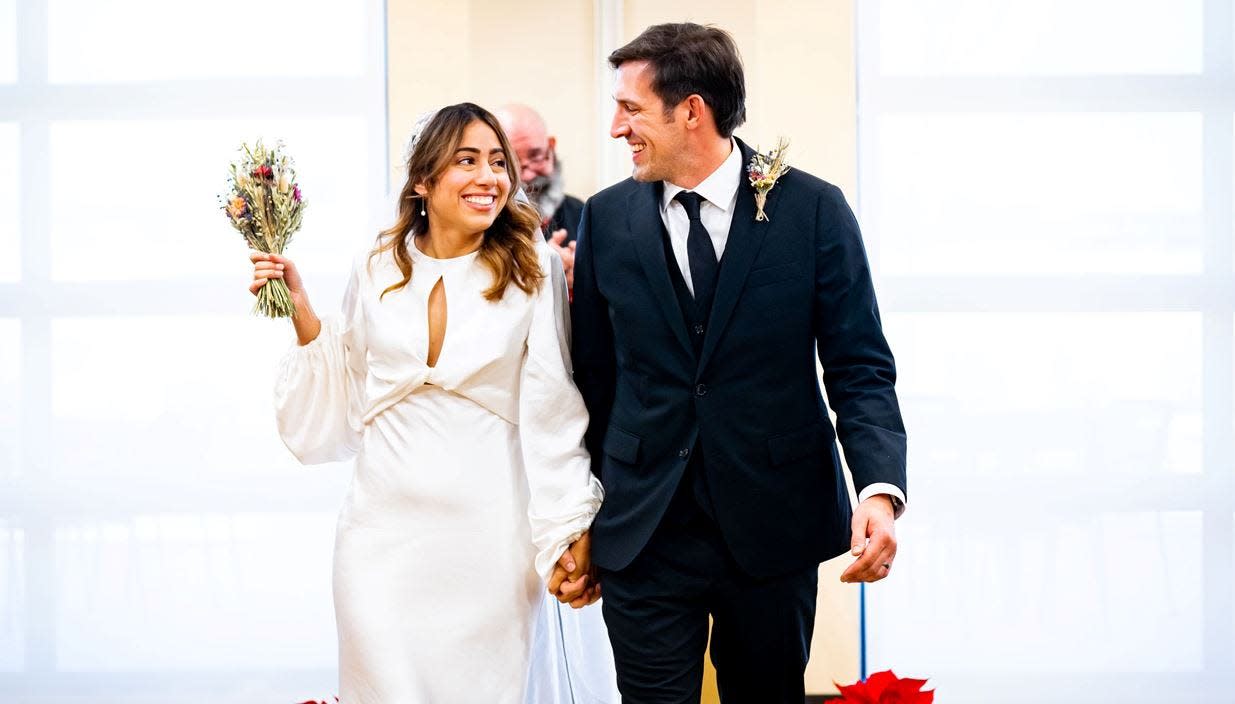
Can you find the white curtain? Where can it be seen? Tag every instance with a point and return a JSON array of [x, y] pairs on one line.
[[157, 543], [1046, 188]]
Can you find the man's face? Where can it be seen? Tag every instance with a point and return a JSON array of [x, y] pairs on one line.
[[656, 141], [535, 151]]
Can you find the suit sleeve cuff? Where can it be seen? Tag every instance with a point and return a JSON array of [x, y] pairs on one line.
[[898, 496]]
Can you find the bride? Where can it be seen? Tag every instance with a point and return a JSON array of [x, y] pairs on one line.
[[447, 378]]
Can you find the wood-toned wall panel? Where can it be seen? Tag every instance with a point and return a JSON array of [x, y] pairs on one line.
[[481, 51]]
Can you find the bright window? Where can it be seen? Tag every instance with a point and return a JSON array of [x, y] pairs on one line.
[[1046, 189], [151, 522]]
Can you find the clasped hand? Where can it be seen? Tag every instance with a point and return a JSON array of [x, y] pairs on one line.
[[574, 579]]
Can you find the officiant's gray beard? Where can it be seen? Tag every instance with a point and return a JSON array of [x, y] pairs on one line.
[[547, 192]]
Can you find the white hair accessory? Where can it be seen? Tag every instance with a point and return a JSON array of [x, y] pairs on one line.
[[414, 138]]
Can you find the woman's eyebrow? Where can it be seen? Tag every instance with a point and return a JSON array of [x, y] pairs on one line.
[[474, 150]]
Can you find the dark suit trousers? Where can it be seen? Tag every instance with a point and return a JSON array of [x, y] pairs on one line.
[[657, 608]]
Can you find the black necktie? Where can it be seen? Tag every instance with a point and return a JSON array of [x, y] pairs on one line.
[[699, 251]]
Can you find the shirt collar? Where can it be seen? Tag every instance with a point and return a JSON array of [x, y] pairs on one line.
[[718, 188]]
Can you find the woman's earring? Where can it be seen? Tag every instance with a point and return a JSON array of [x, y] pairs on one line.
[[422, 206]]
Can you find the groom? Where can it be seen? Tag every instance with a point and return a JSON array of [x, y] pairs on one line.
[[696, 329]]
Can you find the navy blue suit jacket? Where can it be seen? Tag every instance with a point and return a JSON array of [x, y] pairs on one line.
[[789, 288]]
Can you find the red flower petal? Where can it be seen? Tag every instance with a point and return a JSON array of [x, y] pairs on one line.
[[886, 688], [907, 691], [881, 680], [855, 694]]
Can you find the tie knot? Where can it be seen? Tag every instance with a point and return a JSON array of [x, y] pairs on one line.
[[691, 201]]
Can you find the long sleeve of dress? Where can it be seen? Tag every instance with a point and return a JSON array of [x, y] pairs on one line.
[[565, 496], [319, 387]]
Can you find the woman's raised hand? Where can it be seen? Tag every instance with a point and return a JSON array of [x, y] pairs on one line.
[[276, 266]]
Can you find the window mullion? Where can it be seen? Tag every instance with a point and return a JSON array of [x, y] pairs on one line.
[[35, 382], [1218, 356]]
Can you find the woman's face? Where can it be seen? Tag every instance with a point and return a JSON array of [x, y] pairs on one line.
[[472, 190]]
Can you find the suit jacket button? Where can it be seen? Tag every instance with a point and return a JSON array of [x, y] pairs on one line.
[[684, 453], [699, 329], [701, 390]]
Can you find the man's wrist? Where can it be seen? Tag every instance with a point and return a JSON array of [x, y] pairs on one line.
[[885, 499], [894, 493]]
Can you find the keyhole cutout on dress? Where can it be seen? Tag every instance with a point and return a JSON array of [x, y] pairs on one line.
[[437, 320]]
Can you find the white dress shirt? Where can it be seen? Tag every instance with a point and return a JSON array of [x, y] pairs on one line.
[[720, 195]]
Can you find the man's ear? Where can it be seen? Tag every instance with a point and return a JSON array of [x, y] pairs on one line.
[[552, 144], [697, 111]]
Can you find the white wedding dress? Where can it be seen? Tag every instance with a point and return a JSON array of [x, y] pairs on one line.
[[470, 481]]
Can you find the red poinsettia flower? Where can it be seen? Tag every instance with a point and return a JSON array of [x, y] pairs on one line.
[[886, 688]]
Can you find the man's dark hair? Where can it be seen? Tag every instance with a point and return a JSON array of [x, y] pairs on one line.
[[688, 58]]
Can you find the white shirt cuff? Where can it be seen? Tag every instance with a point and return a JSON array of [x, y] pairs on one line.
[[889, 489]]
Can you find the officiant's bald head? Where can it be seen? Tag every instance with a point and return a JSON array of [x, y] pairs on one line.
[[531, 140]]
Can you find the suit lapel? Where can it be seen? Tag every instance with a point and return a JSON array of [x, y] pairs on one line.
[[646, 229], [745, 239]]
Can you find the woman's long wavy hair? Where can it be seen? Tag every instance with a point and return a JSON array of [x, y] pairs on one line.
[[508, 250]]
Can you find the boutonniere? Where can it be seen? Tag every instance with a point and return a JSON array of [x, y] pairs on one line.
[[764, 170]]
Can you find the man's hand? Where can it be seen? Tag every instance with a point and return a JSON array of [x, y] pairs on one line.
[[874, 540], [574, 580], [566, 252]]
